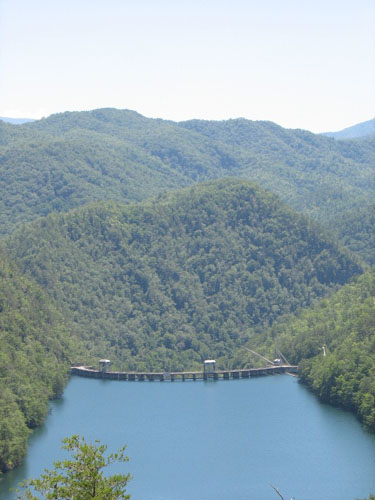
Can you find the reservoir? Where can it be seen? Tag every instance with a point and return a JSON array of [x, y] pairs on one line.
[[226, 440]]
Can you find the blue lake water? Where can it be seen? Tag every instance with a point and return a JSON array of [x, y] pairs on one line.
[[212, 440]]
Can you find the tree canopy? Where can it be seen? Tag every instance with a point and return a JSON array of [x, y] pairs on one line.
[[356, 231], [167, 283], [34, 360], [82, 476]]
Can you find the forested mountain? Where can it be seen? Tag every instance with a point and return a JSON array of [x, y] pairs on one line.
[[177, 277], [166, 283], [311, 175], [342, 325], [359, 130], [34, 360], [69, 159], [356, 230]]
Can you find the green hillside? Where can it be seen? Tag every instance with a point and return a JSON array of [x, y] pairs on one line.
[[166, 283], [314, 174], [344, 325], [33, 360], [69, 159], [356, 230]]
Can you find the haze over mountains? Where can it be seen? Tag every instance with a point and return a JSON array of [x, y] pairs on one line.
[[363, 129], [16, 121]]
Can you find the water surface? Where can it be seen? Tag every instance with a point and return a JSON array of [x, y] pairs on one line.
[[225, 440]]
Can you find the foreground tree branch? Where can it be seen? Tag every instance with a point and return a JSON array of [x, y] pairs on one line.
[[82, 476]]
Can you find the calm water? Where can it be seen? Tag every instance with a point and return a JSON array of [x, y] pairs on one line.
[[225, 440]]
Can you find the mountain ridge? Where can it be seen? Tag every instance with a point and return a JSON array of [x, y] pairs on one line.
[[73, 158]]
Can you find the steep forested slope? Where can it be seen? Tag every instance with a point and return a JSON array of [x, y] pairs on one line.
[[356, 230], [69, 159], [34, 351], [166, 283], [345, 325], [334, 345]]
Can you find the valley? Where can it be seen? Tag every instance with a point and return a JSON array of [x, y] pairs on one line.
[[159, 244]]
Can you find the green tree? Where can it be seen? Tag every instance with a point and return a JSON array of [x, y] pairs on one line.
[[80, 477]]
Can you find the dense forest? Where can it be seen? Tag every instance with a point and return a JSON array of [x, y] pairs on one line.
[[334, 345], [165, 283], [34, 360], [69, 159], [356, 231]]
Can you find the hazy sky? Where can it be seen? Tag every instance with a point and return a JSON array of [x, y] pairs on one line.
[[300, 63]]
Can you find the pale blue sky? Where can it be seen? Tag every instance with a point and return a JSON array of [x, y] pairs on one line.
[[302, 64]]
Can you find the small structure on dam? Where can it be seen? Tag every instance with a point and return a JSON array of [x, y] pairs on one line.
[[104, 365], [209, 367]]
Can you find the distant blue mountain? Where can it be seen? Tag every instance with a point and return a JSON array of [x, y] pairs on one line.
[[363, 129], [16, 121]]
